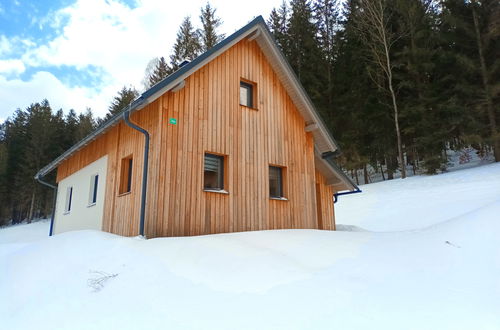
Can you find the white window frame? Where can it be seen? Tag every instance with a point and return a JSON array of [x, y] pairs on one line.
[[69, 198], [93, 189]]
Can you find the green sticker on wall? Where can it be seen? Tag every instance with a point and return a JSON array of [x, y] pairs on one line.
[[172, 121]]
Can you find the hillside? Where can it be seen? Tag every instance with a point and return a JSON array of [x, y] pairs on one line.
[[429, 258]]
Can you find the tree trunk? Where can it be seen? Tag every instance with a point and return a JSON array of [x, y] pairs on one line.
[[489, 102], [365, 175], [396, 114], [382, 171], [32, 205], [390, 168]]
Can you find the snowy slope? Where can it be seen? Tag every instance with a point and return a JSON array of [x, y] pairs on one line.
[[24, 233], [420, 201], [444, 273]]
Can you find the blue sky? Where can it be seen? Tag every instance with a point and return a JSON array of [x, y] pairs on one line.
[[79, 53]]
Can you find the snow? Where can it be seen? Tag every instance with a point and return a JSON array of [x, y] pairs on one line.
[[25, 233], [20, 235], [420, 201], [431, 260]]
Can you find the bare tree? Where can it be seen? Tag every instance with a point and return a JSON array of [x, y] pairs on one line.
[[150, 68], [371, 21]]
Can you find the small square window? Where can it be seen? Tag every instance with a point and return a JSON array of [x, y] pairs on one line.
[[246, 94], [213, 172], [275, 182], [94, 180], [69, 197], [126, 175]]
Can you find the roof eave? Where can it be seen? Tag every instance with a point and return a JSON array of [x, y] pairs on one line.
[[344, 181]]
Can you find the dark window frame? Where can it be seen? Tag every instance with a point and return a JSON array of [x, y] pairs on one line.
[[221, 173], [129, 178], [281, 191], [251, 90]]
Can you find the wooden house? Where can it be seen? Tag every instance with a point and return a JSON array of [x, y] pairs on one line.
[[234, 144]]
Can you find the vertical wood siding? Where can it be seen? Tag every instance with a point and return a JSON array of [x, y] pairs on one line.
[[210, 119]]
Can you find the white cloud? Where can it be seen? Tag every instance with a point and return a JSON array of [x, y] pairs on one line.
[[12, 66], [5, 45], [115, 38], [16, 93]]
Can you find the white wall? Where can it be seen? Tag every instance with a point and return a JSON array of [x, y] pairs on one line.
[[82, 215]]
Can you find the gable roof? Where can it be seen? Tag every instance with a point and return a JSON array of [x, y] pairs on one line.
[[255, 30]]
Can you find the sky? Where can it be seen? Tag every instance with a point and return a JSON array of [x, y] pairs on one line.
[[79, 53]]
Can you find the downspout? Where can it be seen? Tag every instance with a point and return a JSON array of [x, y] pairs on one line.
[[328, 156], [126, 118], [336, 195], [37, 177]]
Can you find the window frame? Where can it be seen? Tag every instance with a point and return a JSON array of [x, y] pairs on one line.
[[221, 180], [281, 182], [252, 88], [69, 200], [94, 185], [126, 171]]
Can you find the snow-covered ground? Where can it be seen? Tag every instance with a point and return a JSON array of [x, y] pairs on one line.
[[420, 201], [441, 272]]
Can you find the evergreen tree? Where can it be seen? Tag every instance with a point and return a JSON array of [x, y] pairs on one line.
[[69, 127], [472, 48], [86, 124], [304, 53], [486, 23], [360, 119], [210, 22], [29, 140], [160, 71], [125, 96], [326, 15], [278, 24], [15, 137], [425, 119], [187, 45], [3, 184]]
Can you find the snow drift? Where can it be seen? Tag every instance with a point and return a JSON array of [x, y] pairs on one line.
[[444, 273]]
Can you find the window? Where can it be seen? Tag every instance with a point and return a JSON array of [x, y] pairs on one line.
[[69, 197], [94, 180], [276, 182], [246, 94], [126, 175], [214, 172]]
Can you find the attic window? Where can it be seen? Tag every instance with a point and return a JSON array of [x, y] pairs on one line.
[[247, 93]]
